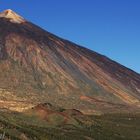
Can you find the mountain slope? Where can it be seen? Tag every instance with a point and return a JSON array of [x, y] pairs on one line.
[[37, 66]]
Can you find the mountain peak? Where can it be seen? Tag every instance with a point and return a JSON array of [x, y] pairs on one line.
[[12, 16], [36, 66]]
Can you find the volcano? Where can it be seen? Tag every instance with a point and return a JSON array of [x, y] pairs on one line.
[[37, 66]]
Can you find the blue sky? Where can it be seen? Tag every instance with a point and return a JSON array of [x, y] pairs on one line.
[[110, 27]]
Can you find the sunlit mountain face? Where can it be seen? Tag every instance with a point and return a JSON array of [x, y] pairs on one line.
[[37, 66], [53, 89]]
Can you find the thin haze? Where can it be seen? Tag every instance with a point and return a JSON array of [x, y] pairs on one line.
[[110, 27]]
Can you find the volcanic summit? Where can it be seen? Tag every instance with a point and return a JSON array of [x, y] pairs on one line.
[[37, 66]]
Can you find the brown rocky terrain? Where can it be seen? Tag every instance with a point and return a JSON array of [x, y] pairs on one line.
[[37, 66]]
